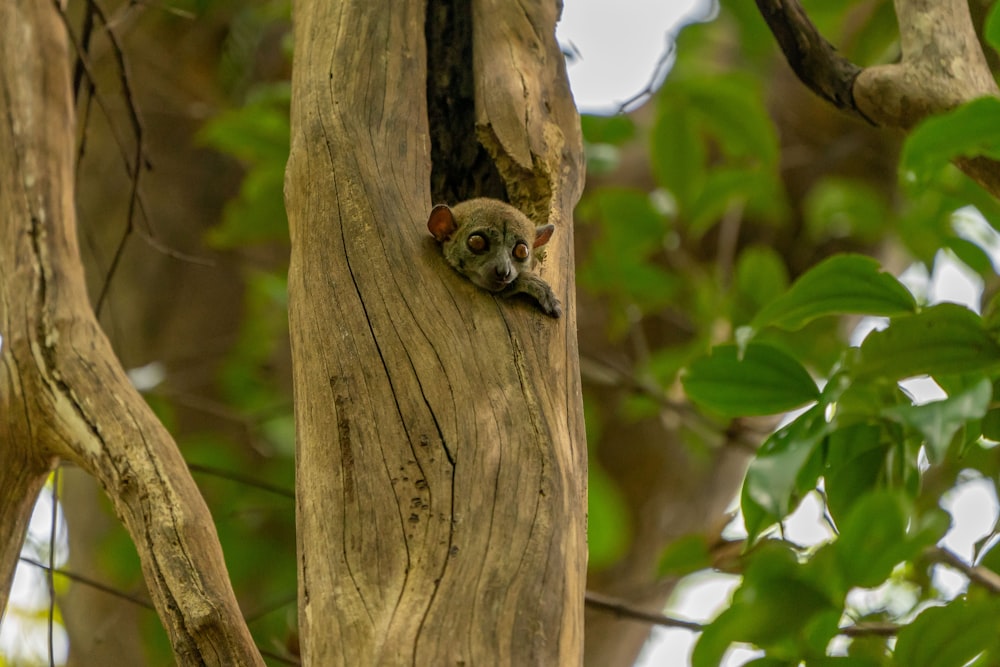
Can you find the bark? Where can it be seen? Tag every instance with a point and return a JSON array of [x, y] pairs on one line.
[[942, 66], [440, 452], [64, 395]]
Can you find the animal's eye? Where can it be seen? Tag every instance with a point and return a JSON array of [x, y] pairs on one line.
[[520, 250], [477, 243]]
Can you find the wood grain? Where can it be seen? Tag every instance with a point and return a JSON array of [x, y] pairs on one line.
[[440, 471]]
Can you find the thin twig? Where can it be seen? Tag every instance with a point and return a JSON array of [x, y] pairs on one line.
[[86, 581], [133, 164], [978, 574], [145, 604], [622, 608], [242, 479], [870, 629], [138, 158], [656, 78]]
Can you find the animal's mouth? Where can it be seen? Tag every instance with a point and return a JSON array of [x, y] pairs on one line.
[[494, 284]]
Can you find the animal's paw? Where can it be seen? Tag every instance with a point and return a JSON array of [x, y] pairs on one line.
[[550, 304]]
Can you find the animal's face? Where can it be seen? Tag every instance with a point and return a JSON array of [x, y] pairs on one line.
[[489, 242], [491, 257]]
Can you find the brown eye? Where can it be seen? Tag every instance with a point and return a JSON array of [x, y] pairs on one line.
[[477, 243], [521, 250]]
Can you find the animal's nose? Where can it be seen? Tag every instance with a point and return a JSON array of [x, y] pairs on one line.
[[503, 272]]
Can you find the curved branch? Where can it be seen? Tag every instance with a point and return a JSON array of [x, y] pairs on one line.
[[813, 59], [942, 66], [63, 393]]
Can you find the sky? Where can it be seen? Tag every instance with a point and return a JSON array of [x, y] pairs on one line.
[[617, 44]]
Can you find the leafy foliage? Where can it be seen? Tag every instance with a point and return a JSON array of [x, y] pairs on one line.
[[757, 342]]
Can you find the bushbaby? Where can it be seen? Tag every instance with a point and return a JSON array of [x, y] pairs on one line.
[[493, 245]]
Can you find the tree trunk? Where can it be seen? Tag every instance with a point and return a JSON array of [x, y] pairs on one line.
[[62, 392], [441, 455]]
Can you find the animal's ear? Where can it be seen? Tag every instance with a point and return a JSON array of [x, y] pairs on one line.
[[543, 234], [441, 224]]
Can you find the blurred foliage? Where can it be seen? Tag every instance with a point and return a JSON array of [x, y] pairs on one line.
[[757, 283], [765, 330]]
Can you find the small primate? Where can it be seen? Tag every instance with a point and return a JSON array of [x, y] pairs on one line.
[[492, 244]]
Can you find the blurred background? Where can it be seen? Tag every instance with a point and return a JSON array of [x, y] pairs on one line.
[[714, 180]]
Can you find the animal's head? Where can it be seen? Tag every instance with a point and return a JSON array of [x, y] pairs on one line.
[[487, 241]]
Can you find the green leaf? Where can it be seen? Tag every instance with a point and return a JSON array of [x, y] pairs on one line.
[[945, 339], [677, 152], [839, 285], [615, 130], [838, 208], [760, 277], [684, 556], [772, 482], [756, 190], [731, 106], [763, 381], [967, 131], [775, 609], [938, 421], [872, 540], [991, 28], [991, 424], [608, 531], [854, 463], [950, 636]]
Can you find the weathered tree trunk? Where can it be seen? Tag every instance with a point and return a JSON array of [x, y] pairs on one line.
[[62, 392], [441, 455]]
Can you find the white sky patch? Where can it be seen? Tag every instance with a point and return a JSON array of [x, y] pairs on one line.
[[148, 377], [700, 597], [922, 390], [974, 510], [969, 224], [954, 282], [806, 526], [23, 636], [616, 46]]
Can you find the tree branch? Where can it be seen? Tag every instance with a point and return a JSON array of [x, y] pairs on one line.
[[977, 574], [622, 608], [942, 66], [813, 59], [64, 394]]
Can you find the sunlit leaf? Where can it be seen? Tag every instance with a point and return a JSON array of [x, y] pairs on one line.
[[938, 421], [967, 131], [945, 338], [774, 608], [872, 539], [842, 284], [763, 381]]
